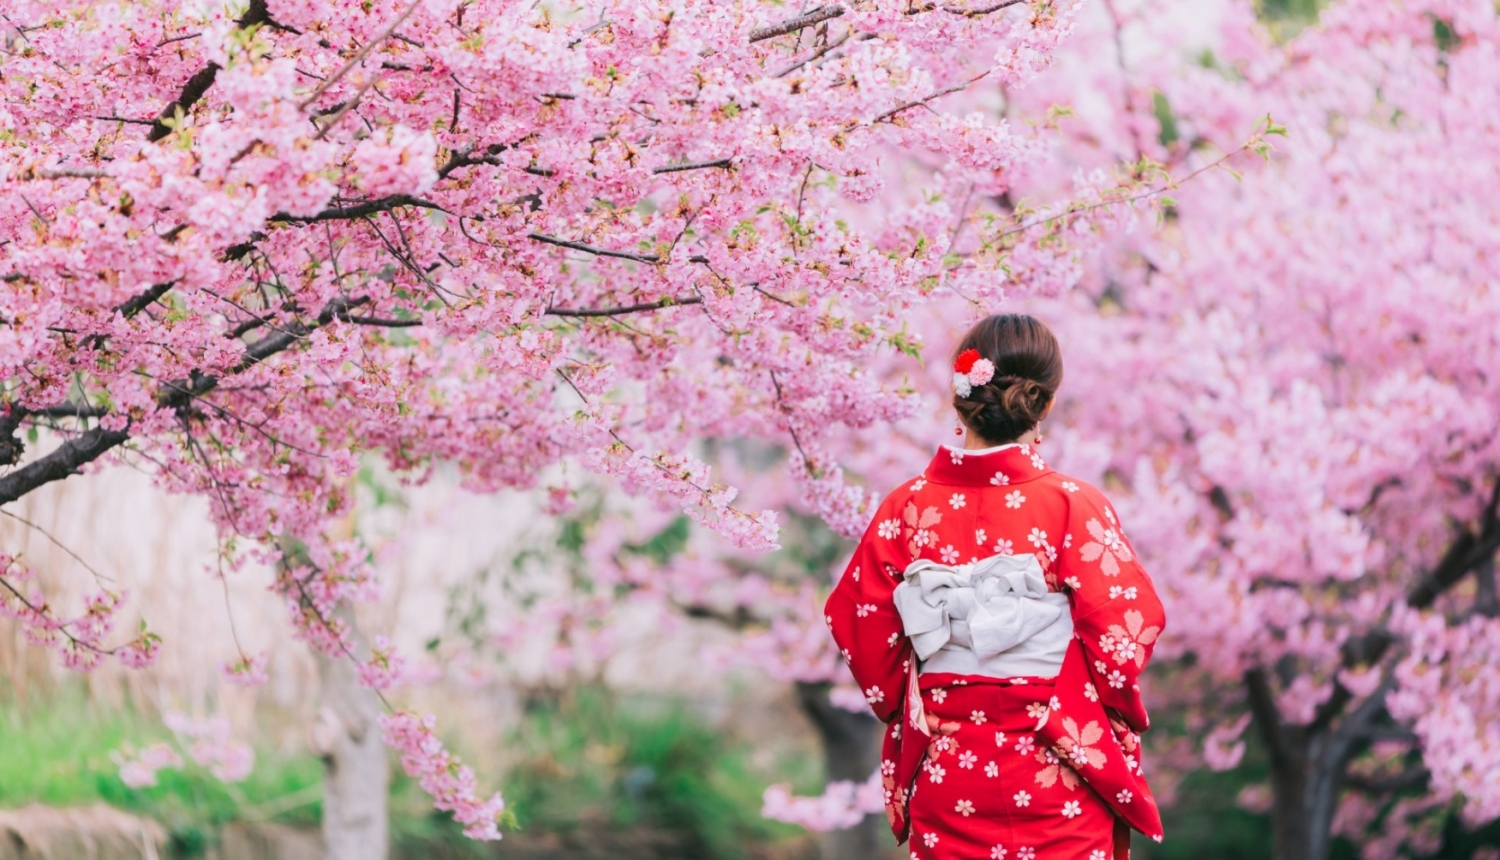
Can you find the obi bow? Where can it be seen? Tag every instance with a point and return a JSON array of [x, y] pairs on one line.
[[989, 606]]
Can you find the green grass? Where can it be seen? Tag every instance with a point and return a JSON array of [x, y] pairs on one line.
[[592, 760], [61, 754], [589, 761]]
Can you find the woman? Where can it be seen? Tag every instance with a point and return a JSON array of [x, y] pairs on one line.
[[997, 619]]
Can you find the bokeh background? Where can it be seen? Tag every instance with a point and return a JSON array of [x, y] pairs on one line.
[[619, 720]]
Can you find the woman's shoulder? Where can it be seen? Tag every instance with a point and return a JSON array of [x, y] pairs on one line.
[[1080, 496], [907, 491]]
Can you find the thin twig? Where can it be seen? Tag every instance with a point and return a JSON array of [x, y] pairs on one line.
[[984, 10], [165, 42], [813, 57], [358, 57], [927, 98], [589, 249], [63, 173], [344, 108], [57, 543], [1131, 199]]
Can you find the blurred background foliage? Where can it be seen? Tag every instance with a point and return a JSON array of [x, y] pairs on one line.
[[635, 776], [593, 771]]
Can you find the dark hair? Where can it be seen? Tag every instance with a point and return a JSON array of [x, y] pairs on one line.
[[1028, 371]]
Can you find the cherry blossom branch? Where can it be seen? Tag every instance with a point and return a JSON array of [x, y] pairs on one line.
[[359, 57], [786, 412], [827, 13], [360, 210], [624, 309], [724, 163], [63, 462], [983, 10], [380, 322], [589, 249], [135, 305], [62, 173], [35, 611], [1116, 201], [192, 91], [69, 410], [760, 531], [605, 252], [71, 456], [792, 25], [52, 539], [813, 57], [1467, 552], [930, 97], [203, 79], [344, 108]]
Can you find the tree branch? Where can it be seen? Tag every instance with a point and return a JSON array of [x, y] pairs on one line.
[[1467, 552], [131, 307], [1263, 709], [983, 10], [64, 461], [359, 210], [724, 163], [624, 309], [792, 25], [68, 458], [590, 249], [358, 57], [380, 322], [1414, 778], [200, 82], [70, 410], [1359, 650], [192, 91], [929, 97]]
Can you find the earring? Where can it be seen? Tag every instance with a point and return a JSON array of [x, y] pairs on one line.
[[958, 428], [1039, 437]]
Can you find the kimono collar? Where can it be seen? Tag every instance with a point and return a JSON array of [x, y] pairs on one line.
[[1013, 464]]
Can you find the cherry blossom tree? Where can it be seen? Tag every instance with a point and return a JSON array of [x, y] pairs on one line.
[[1292, 387], [246, 244]]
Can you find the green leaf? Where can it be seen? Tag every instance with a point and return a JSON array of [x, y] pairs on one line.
[[1167, 120]]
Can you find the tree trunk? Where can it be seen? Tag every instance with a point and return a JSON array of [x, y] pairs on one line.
[[1305, 784], [851, 751], [346, 734], [1307, 766]]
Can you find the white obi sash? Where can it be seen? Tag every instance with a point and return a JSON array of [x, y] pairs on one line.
[[992, 617]]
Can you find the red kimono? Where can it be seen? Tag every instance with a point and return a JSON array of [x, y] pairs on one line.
[[1014, 768]]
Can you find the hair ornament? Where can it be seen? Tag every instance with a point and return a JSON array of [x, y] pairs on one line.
[[970, 370]]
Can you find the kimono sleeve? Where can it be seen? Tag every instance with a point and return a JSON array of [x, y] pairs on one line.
[[1117, 615], [862, 614]]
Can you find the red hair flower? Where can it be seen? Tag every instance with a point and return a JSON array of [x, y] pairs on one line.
[[969, 370]]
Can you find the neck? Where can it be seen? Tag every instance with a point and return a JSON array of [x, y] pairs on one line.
[[972, 442]]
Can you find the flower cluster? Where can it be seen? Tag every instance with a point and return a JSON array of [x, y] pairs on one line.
[[208, 742], [842, 804], [451, 784], [969, 371]]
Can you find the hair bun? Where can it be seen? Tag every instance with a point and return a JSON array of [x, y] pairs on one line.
[[1028, 371], [1022, 397]]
